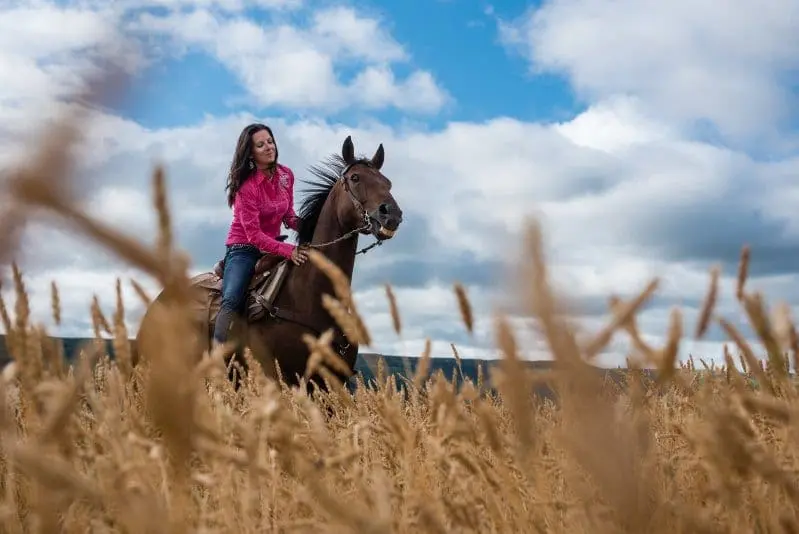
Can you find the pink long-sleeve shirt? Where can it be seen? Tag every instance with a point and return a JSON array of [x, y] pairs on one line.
[[260, 206]]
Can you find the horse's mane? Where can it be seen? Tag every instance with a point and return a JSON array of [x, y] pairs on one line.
[[327, 174]]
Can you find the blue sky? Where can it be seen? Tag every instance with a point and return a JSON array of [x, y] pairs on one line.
[[456, 40], [650, 138]]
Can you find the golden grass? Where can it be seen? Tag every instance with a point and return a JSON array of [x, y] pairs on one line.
[[169, 446]]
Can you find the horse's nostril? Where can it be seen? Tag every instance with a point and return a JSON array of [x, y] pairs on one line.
[[384, 209]]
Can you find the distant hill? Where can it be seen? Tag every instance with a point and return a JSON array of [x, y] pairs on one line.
[[398, 366]]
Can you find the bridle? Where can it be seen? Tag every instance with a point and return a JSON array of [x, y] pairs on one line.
[[365, 217]]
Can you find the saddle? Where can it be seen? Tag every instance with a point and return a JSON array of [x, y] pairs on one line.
[[265, 284]]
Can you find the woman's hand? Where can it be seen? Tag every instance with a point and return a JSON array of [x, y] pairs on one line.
[[299, 255]]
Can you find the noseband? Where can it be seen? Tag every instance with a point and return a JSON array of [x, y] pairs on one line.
[[364, 215]]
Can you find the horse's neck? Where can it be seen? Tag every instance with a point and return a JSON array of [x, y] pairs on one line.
[[311, 282], [342, 254]]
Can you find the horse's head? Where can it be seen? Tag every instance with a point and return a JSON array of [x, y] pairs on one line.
[[367, 202]]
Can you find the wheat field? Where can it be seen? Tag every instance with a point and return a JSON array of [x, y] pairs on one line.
[[168, 446]]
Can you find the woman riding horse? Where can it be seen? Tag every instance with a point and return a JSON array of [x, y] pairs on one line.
[[261, 193]]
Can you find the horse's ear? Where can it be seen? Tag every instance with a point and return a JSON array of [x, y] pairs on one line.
[[379, 157], [348, 151]]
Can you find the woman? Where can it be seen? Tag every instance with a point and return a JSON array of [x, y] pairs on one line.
[[261, 194]]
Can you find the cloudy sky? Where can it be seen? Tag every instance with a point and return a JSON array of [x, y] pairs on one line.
[[651, 138]]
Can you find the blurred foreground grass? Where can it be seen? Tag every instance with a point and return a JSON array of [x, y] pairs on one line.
[[169, 446]]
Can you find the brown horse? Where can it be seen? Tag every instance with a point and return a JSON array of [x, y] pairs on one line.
[[350, 197]]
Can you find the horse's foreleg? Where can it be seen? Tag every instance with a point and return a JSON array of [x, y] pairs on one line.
[[262, 352]]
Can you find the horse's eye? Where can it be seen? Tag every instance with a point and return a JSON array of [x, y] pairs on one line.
[[354, 177]]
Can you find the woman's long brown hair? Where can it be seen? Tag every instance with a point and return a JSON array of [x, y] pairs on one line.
[[240, 167]]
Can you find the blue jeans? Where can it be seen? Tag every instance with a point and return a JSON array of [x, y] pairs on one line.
[[240, 263]]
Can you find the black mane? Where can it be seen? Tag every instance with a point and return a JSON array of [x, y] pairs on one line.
[[315, 196]]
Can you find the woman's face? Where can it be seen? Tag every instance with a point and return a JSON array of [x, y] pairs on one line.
[[263, 149]]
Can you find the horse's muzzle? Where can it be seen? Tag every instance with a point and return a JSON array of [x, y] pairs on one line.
[[388, 217]]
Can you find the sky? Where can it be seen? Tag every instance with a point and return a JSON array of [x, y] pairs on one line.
[[649, 138]]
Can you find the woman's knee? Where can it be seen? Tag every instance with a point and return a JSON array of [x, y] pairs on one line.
[[234, 292], [232, 301]]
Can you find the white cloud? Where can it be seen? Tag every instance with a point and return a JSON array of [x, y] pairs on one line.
[[341, 30], [29, 31], [226, 6], [47, 52], [377, 87], [279, 64], [76, 288], [40, 66], [614, 125], [298, 67], [689, 60]]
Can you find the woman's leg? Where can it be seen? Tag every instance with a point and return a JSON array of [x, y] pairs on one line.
[[239, 268]]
